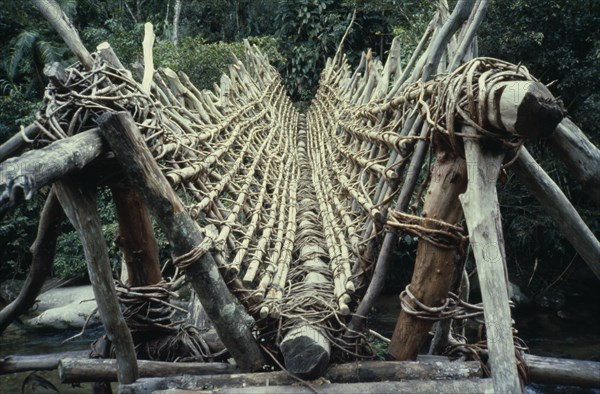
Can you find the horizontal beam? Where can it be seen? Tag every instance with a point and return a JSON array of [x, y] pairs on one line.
[[22, 176]]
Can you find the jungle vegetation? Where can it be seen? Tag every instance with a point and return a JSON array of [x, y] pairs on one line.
[[558, 40]]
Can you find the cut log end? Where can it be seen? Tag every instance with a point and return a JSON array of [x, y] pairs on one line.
[[306, 352]]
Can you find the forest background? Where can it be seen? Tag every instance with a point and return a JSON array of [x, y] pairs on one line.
[[557, 40]]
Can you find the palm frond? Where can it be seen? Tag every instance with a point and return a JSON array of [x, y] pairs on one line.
[[23, 47]]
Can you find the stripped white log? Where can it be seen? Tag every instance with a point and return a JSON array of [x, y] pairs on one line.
[[147, 44]]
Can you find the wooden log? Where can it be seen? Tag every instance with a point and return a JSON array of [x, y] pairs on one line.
[[413, 387], [22, 176], [231, 321], [17, 142], [76, 370], [136, 238], [79, 204], [526, 108], [482, 213], [43, 250], [553, 200], [550, 370], [38, 362], [59, 21], [581, 157], [438, 368], [435, 265], [306, 351], [148, 58]]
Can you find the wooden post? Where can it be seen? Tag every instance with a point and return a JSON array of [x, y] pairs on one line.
[[231, 321], [434, 267], [136, 238], [79, 204], [482, 213]]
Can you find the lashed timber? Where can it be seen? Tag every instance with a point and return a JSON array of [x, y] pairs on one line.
[[435, 264], [233, 154], [230, 320], [482, 213], [79, 203], [22, 176]]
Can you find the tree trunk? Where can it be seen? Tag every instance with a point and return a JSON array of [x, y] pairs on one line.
[[79, 204], [136, 238], [231, 321], [435, 265], [176, 15]]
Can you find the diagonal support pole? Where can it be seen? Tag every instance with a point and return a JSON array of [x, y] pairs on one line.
[[231, 321]]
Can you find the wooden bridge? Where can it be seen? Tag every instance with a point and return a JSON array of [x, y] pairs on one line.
[[285, 222]]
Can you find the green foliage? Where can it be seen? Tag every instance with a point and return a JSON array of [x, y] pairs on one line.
[[558, 40]]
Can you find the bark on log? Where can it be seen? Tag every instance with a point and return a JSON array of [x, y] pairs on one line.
[[413, 387], [435, 265], [43, 250], [439, 368], [136, 238], [59, 21], [482, 213], [306, 351], [581, 157], [74, 370], [557, 205], [550, 370], [231, 321], [79, 204], [17, 142], [526, 108], [22, 176], [39, 362]]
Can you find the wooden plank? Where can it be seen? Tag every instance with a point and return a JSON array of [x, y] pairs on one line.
[[79, 203], [231, 321], [556, 204], [21, 177], [482, 213]]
